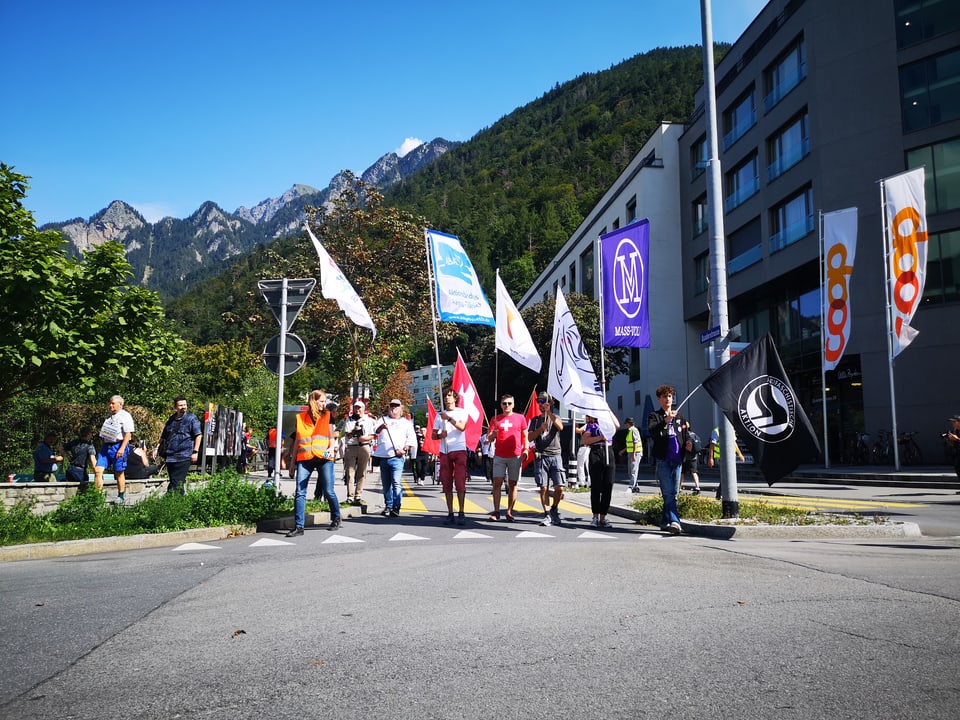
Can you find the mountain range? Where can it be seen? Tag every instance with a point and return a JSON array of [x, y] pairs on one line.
[[172, 254]]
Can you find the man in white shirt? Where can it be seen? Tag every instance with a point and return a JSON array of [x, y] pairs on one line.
[[115, 433], [448, 428], [395, 437], [358, 434]]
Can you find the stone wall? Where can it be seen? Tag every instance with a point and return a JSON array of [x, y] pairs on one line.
[[48, 496]]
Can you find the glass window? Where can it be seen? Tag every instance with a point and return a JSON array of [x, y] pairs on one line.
[[788, 147], [943, 268], [742, 182], [701, 273], [745, 247], [631, 209], [941, 163], [586, 272], [791, 220], [784, 75], [739, 118], [634, 364], [700, 215], [698, 158], [930, 91], [573, 277], [918, 20]]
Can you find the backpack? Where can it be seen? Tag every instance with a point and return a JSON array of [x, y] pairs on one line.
[[695, 440]]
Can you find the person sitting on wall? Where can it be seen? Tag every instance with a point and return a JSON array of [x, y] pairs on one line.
[[139, 466]]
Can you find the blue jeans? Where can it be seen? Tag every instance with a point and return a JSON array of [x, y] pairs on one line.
[[324, 470], [390, 471], [668, 475]]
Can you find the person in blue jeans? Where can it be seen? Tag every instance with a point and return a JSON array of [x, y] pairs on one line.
[[670, 434], [395, 437], [312, 448]]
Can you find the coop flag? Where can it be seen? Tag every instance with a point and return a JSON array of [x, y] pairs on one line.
[[430, 445], [839, 252], [753, 391], [625, 262], [470, 401], [571, 379], [906, 265], [512, 336], [334, 286], [460, 298]]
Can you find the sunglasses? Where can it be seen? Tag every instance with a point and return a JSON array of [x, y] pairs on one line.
[[542, 402], [506, 403]]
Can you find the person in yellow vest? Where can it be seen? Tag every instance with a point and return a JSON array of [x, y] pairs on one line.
[[634, 452], [312, 448]]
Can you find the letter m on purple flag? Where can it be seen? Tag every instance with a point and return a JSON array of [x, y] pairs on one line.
[[625, 258]]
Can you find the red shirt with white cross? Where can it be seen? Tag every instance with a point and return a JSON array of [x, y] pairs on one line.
[[509, 434]]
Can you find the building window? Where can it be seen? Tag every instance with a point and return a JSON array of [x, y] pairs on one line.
[[739, 118], [784, 75], [941, 163], [616, 223], [701, 273], [930, 91], [563, 281], [586, 272], [745, 247], [573, 277], [919, 20], [634, 364], [788, 147], [742, 182], [631, 209], [700, 215], [943, 268], [791, 220], [699, 158]]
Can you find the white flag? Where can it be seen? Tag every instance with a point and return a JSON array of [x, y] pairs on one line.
[[906, 265], [571, 378], [839, 252], [334, 286], [512, 335], [460, 298]]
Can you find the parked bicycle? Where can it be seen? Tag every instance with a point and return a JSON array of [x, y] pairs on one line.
[[881, 452], [909, 450]]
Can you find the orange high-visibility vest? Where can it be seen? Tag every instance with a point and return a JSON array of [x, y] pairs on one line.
[[313, 440]]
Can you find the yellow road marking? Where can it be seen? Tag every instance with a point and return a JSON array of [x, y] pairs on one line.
[[410, 501]]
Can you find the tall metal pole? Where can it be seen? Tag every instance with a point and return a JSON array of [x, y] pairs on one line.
[[283, 361], [718, 259]]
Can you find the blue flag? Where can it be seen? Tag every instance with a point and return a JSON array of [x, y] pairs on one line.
[[625, 258], [460, 298]]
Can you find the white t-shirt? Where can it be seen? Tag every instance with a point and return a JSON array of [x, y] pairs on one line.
[[399, 433], [455, 439], [116, 426]]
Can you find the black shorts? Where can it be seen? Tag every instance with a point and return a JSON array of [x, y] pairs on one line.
[[690, 464]]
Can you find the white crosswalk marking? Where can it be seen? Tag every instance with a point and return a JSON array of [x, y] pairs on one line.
[[195, 546], [267, 542], [532, 534], [470, 535], [407, 536], [590, 534], [340, 539]]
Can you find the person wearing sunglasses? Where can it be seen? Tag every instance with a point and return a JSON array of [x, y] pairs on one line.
[[509, 431]]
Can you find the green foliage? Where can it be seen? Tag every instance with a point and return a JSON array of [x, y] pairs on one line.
[[227, 499], [67, 321], [704, 509]]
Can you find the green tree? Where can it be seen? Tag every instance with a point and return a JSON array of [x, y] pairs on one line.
[[67, 321]]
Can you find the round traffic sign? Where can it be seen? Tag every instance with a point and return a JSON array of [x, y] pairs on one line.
[[294, 356]]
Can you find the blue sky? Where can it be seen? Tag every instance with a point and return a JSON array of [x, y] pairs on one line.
[[168, 104]]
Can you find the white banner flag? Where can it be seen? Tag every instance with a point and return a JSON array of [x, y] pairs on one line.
[[512, 336], [571, 378], [839, 251], [334, 286], [906, 266], [460, 298]]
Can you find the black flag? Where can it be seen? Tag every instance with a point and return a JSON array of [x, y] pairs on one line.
[[754, 393]]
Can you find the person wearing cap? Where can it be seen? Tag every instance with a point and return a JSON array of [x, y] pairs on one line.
[[358, 433], [633, 449], [544, 432], [952, 438], [509, 431], [448, 428], [312, 447], [45, 459], [395, 437]]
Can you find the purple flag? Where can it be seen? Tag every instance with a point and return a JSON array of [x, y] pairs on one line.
[[625, 258]]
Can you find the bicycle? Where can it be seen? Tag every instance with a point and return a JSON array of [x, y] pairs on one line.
[[881, 453], [910, 452]]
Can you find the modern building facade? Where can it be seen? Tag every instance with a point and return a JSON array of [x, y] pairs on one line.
[[817, 102], [423, 384]]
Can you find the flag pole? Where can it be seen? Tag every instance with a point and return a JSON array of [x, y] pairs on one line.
[[889, 314], [431, 279], [823, 347], [603, 367]]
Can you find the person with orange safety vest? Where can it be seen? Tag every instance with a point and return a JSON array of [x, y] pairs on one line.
[[313, 447]]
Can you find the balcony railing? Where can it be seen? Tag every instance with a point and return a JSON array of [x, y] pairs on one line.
[[788, 159], [739, 130], [747, 190], [745, 259], [791, 233], [789, 81]]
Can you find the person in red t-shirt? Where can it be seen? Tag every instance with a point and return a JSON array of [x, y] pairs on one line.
[[509, 430]]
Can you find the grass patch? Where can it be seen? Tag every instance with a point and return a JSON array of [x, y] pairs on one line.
[[705, 510], [226, 499]]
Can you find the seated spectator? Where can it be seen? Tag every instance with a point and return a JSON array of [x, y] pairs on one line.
[[45, 459], [138, 464]]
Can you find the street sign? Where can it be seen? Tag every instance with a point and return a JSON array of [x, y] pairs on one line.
[[295, 355], [711, 334], [298, 290]]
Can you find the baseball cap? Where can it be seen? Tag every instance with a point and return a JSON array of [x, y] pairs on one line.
[[358, 403], [955, 417], [629, 420], [395, 401], [544, 397]]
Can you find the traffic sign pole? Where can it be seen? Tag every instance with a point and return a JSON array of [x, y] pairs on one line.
[[281, 375]]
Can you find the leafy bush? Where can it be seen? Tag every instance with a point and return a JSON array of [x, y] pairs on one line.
[[703, 509]]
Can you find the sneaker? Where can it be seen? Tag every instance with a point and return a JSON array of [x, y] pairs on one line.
[[673, 528], [605, 523], [296, 532], [546, 521], [449, 520], [346, 502], [461, 519], [696, 491], [385, 512], [334, 524], [594, 523], [555, 516], [635, 490], [394, 513], [120, 499]]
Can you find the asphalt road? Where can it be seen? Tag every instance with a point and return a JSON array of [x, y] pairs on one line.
[[407, 618]]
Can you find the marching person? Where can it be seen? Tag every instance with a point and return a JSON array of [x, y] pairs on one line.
[[448, 428], [509, 431], [602, 466], [670, 433], [358, 431], [395, 437], [544, 432], [312, 447]]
